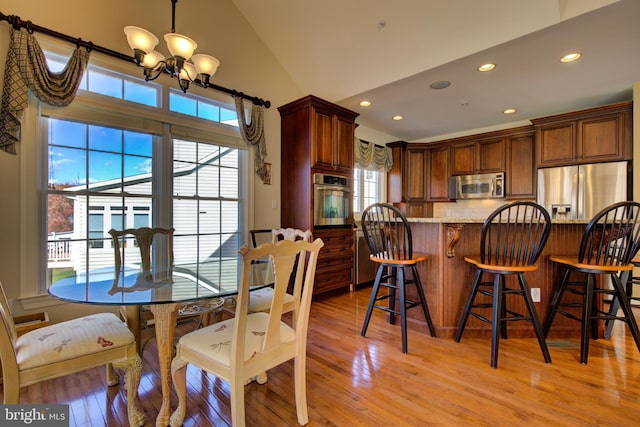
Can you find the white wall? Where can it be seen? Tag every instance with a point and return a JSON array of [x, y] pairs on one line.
[[219, 29]]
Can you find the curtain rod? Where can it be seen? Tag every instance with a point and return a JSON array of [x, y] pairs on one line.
[[18, 23]]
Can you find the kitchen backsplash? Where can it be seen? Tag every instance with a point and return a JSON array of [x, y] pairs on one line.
[[473, 209]]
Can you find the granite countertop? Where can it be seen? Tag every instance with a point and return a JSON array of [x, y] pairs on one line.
[[452, 220]]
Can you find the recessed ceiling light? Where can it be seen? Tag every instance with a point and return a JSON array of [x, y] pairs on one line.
[[570, 57], [442, 84], [486, 67], [365, 103], [509, 111], [396, 118]]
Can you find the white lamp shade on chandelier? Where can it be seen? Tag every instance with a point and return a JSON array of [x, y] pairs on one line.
[[180, 45], [181, 48]]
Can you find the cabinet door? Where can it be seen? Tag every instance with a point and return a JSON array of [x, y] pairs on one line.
[[415, 179], [520, 167], [395, 176], [344, 137], [491, 156], [438, 174], [323, 149], [463, 159], [557, 144], [600, 139]]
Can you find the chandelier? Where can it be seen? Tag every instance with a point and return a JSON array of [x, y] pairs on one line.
[[181, 49]]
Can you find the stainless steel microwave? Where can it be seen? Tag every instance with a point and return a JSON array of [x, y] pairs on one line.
[[480, 186]]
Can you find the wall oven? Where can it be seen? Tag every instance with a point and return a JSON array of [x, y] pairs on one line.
[[332, 200]]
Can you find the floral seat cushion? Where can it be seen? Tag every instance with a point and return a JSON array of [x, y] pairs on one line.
[[71, 339], [214, 342]]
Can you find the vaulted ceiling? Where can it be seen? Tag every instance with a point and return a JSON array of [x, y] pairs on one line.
[[390, 52]]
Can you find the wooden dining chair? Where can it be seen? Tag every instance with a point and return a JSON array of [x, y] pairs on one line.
[[238, 349], [609, 244], [261, 299], [511, 241], [66, 348], [388, 235]]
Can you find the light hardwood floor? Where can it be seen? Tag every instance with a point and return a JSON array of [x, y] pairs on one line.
[[356, 381]]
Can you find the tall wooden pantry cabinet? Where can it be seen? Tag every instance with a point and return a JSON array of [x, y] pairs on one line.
[[317, 138]]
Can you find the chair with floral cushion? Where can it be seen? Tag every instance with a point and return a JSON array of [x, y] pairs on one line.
[[66, 348], [238, 349]]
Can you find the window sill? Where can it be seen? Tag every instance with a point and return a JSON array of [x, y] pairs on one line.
[[39, 301]]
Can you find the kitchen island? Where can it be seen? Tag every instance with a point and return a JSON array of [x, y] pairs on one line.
[[447, 276]]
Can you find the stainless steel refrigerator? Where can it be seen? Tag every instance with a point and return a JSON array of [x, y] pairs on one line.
[[582, 191]]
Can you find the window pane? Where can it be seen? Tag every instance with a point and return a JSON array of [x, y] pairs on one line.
[[184, 179], [228, 117], [105, 139], [105, 84], [209, 181], [68, 134], [104, 166], [209, 112], [185, 216], [136, 165], [229, 183], [142, 93], [185, 151], [182, 104], [209, 216], [138, 143], [67, 167]]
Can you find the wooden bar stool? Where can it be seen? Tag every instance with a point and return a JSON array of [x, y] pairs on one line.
[[610, 242], [511, 241], [388, 236]]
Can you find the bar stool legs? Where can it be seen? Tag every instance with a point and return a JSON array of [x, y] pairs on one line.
[[396, 281]]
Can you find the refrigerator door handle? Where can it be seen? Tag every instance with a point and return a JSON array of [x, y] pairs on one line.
[[579, 194]]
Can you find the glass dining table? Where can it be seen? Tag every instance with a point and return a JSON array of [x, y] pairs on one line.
[[164, 292]]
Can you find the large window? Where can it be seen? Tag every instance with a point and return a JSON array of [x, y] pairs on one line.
[[105, 171], [96, 175], [367, 188]]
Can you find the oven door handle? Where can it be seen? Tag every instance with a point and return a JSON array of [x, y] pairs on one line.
[[332, 188]]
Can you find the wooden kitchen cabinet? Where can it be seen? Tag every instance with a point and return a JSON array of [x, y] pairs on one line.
[[463, 159], [521, 171], [438, 179], [407, 180], [317, 137], [588, 136], [478, 157], [335, 268], [332, 140]]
